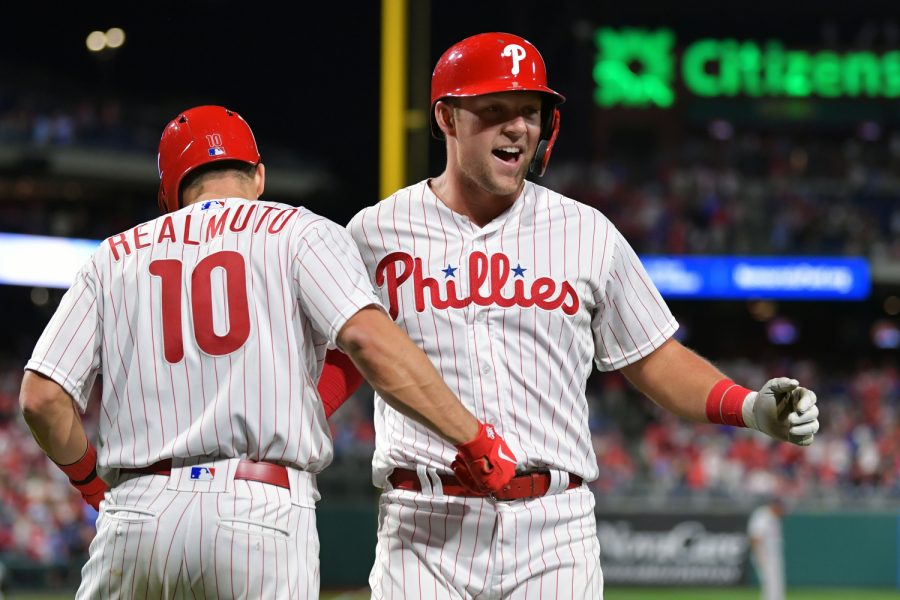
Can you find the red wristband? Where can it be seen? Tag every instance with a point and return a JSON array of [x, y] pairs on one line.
[[84, 469], [724, 403], [338, 381]]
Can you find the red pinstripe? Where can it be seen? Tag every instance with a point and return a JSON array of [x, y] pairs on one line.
[[618, 313], [438, 205], [77, 328], [409, 429], [477, 529], [81, 352], [555, 547], [113, 331], [200, 557], [216, 549], [274, 380], [534, 322], [124, 368], [498, 415], [153, 326], [418, 317], [618, 278], [648, 313], [171, 542], [543, 413], [153, 555], [287, 336]]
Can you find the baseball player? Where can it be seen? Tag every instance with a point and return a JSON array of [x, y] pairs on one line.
[[209, 326], [514, 291], [767, 548]]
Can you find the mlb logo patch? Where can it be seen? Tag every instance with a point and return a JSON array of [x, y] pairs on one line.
[[211, 203], [216, 151], [203, 473]]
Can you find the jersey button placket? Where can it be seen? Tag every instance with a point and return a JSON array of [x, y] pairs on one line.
[[468, 315], [482, 338]]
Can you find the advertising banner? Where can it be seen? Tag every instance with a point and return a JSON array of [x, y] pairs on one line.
[[673, 549]]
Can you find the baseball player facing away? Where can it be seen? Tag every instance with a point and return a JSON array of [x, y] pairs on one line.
[[209, 326], [513, 291], [767, 548]]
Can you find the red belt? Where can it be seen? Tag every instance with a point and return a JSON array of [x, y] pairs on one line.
[[249, 470], [531, 485]]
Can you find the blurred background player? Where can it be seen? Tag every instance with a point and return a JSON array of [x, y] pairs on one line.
[[208, 326], [767, 547], [514, 292]]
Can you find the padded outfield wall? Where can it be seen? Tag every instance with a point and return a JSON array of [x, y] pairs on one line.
[[823, 549]]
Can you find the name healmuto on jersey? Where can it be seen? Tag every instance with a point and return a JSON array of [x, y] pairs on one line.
[[269, 219]]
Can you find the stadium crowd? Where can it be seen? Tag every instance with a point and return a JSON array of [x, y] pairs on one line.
[[756, 194], [750, 194], [718, 191], [643, 453]]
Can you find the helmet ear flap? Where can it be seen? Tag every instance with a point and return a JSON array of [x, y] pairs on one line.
[[161, 200], [545, 145]]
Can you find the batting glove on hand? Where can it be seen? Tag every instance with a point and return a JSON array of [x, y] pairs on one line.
[[783, 410], [485, 464]]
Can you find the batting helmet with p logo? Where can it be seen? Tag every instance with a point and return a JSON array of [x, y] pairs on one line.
[[497, 62]]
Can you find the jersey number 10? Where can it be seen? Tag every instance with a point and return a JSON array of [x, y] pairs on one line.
[[169, 271]]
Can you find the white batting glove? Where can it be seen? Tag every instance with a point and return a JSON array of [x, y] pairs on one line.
[[783, 410]]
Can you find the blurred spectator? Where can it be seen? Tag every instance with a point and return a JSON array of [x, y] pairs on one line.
[[751, 194]]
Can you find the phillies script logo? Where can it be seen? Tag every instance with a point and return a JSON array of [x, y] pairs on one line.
[[396, 268]]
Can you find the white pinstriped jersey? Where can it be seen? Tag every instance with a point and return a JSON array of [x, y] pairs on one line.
[[512, 315], [209, 326]]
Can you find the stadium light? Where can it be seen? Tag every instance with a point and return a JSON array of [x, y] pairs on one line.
[[115, 37], [96, 41]]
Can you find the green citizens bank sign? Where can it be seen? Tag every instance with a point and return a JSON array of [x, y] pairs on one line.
[[639, 67]]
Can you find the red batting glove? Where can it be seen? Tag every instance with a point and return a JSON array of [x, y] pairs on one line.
[[485, 464], [83, 475]]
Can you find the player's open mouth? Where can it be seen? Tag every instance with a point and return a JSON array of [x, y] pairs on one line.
[[508, 154]]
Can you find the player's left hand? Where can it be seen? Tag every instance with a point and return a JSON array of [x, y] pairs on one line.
[[485, 464], [783, 410]]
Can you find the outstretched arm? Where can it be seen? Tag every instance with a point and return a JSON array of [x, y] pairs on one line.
[[690, 386]]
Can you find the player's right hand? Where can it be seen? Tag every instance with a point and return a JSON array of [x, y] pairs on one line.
[[485, 464], [83, 476], [93, 491], [783, 410]]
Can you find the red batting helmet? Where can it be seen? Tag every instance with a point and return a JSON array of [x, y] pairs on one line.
[[198, 136], [497, 62]]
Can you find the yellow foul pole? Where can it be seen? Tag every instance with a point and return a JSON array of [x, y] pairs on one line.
[[392, 145]]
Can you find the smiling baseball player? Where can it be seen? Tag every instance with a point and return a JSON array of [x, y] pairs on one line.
[[515, 292], [209, 325]]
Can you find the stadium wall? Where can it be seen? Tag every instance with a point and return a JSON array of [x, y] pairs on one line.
[[823, 549]]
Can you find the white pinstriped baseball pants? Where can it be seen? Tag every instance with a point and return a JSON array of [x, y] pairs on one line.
[[439, 547], [250, 542]]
